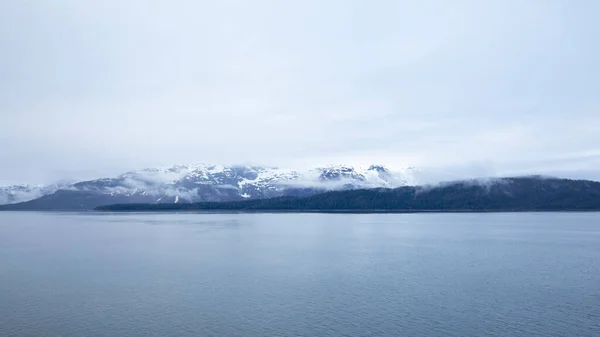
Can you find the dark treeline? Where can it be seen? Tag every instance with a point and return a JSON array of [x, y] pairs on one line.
[[506, 194]]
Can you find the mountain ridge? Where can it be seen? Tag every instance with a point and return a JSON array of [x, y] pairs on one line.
[[205, 182]]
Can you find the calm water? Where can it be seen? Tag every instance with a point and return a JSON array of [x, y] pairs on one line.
[[299, 274]]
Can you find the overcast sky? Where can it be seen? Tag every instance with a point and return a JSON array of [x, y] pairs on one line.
[[95, 88]]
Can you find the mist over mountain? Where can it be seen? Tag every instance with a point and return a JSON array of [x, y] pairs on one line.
[[503, 194], [21, 193]]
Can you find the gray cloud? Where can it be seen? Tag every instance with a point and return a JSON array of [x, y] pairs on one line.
[[461, 88]]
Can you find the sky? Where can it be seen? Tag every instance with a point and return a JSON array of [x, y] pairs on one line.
[[476, 88]]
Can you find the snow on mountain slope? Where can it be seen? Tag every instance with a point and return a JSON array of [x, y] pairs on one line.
[[202, 182]]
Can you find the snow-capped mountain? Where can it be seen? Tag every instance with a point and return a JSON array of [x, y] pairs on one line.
[[20, 193], [201, 182]]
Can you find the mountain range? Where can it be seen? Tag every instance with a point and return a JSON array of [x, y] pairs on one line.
[[502, 194], [202, 183]]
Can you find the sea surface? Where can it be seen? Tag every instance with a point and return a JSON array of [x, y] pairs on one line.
[[97, 274]]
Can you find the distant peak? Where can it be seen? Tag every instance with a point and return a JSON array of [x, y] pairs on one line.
[[378, 168]]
